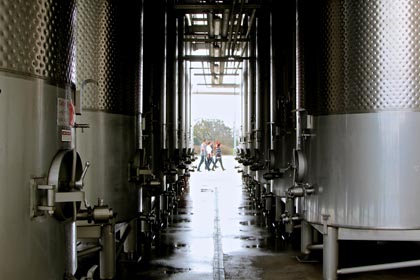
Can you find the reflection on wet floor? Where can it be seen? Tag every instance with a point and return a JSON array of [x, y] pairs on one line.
[[218, 234]]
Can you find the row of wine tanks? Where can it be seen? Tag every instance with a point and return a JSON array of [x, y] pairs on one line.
[[330, 120], [87, 81]]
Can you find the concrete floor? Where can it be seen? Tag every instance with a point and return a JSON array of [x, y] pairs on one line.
[[218, 234]]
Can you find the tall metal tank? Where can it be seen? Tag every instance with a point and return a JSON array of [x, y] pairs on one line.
[[282, 85], [36, 55], [364, 158], [109, 55]]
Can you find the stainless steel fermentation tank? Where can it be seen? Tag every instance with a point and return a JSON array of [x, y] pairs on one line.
[[36, 58], [364, 157], [108, 55], [362, 84]]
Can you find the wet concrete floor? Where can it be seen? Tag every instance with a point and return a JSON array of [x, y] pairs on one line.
[[218, 234]]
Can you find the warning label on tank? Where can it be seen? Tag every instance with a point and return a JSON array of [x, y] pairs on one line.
[[65, 112], [66, 135]]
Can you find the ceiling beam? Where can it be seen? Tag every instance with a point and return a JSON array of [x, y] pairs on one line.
[[205, 58], [214, 8]]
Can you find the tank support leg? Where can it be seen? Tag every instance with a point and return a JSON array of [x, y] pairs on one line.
[[130, 245], [305, 237], [107, 258], [330, 257]]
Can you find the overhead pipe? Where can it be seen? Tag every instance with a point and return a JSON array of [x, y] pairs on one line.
[[238, 25], [210, 24], [225, 23], [225, 26], [248, 31], [231, 21]]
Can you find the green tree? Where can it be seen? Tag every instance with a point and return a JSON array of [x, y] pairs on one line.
[[213, 130]]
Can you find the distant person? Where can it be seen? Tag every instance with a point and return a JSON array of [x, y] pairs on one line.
[[209, 150], [219, 156], [203, 154]]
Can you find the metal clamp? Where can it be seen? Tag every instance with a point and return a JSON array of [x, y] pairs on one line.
[[44, 197]]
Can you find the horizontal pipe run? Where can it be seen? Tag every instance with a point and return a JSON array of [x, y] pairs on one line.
[[315, 247], [89, 251], [377, 267]]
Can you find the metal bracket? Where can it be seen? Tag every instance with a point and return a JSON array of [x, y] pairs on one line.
[[43, 197], [35, 196]]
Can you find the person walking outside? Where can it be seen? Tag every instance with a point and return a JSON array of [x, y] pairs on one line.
[[209, 150], [203, 154], [219, 156]]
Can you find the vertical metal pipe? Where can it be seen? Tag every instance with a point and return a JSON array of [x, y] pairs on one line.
[[130, 244], [251, 91], [297, 79], [279, 210], [139, 109], [175, 104], [71, 250], [258, 94], [188, 101], [290, 209], [245, 97], [107, 259], [330, 256], [184, 96], [210, 23], [163, 110], [181, 77], [272, 101], [305, 237], [225, 23]]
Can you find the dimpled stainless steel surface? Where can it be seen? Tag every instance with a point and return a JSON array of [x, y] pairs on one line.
[[366, 170], [32, 248], [369, 56], [109, 54], [36, 38]]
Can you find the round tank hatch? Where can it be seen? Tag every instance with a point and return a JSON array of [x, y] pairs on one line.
[[301, 166], [60, 176]]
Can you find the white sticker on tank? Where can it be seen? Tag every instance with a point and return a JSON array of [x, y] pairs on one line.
[[66, 135]]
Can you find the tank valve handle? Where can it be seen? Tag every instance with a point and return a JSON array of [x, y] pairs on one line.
[[81, 183]]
